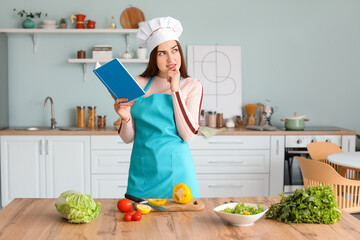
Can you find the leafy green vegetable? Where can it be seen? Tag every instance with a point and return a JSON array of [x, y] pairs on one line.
[[77, 207], [311, 205], [241, 209]]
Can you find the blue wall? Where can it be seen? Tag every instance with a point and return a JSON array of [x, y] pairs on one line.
[[302, 55]]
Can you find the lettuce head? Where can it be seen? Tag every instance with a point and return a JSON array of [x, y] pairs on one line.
[[77, 207]]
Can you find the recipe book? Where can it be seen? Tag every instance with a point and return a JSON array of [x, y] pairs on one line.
[[118, 80]]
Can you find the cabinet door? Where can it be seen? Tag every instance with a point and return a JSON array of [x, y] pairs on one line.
[[233, 185], [67, 164], [22, 167], [108, 186]]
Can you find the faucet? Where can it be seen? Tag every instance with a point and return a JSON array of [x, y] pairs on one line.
[[53, 122]]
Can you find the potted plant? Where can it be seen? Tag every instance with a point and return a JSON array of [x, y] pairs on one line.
[[63, 24], [28, 22]]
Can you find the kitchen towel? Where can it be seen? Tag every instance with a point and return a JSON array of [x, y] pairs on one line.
[[208, 132]]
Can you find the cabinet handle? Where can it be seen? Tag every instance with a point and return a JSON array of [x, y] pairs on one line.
[[121, 186], [47, 147], [226, 142], [120, 142], [124, 161], [41, 146], [235, 161], [277, 147], [225, 186]]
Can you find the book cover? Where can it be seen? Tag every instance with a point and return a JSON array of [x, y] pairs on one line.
[[118, 80]]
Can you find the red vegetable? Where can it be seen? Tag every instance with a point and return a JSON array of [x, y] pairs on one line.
[[136, 216], [124, 205], [128, 217]]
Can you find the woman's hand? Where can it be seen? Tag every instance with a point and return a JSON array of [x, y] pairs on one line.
[[173, 78], [122, 108]]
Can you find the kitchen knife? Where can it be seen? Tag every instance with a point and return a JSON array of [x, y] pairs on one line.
[[143, 201]]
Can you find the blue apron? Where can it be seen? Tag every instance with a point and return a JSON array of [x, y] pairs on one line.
[[160, 159]]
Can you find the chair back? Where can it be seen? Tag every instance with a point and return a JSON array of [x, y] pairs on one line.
[[321, 150], [347, 191]]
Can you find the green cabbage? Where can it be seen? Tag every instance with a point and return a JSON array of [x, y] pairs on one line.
[[77, 207]]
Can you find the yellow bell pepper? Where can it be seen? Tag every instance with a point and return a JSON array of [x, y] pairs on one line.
[[182, 193]]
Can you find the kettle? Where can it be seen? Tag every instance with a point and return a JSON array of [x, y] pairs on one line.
[[80, 19]]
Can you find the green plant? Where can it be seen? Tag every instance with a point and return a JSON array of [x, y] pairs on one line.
[[310, 205], [62, 20], [29, 14]]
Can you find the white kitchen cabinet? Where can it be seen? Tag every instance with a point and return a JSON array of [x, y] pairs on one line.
[[226, 166], [232, 166], [110, 161], [43, 166]]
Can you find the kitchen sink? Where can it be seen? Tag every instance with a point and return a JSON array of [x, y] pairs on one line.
[[35, 129], [48, 129]]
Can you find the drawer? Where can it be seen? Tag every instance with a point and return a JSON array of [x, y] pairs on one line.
[[108, 186], [231, 161], [233, 185], [110, 161], [108, 142], [231, 142]]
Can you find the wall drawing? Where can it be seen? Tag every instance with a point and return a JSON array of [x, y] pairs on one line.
[[219, 70]]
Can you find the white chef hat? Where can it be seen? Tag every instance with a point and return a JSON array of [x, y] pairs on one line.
[[158, 30]]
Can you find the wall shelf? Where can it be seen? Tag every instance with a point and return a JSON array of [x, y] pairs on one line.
[[86, 61], [35, 31], [58, 30]]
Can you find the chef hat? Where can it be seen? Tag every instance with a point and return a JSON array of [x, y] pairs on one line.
[[157, 31]]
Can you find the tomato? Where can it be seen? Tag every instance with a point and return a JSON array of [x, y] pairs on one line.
[[128, 217], [136, 216], [124, 205], [132, 211]]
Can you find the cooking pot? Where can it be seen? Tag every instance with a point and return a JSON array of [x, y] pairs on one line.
[[296, 123]]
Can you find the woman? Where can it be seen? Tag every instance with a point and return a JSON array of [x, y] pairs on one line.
[[162, 121]]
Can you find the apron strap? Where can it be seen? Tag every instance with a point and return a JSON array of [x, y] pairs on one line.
[[148, 84]]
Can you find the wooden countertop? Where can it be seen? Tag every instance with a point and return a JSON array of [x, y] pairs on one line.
[[229, 131], [38, 219]]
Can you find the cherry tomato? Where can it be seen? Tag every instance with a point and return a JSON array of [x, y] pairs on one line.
[[128, 217], [132, 211], [136, 216], [124, 205]]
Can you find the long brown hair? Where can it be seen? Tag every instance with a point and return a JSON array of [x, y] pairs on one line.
[[152, 68]]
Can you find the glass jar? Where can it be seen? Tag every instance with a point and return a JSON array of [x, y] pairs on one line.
[[80, 116], [101, 121], [91, 116], [202, 118], [219, 120], [211, 119], [239, 122]]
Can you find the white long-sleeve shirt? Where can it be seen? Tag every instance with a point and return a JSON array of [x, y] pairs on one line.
[[186, 103]]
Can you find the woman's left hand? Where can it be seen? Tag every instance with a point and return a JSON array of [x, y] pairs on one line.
[[173, 78]]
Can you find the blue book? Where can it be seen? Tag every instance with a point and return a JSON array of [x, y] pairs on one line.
[[118, 80]]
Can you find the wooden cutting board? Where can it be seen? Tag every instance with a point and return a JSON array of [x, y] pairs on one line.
[[130, 17], [194, 205]]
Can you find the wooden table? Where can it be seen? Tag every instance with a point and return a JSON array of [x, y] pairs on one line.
[[38, 219]]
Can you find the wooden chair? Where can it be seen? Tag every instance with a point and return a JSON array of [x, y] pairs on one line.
[[347, 191], [321, 150]]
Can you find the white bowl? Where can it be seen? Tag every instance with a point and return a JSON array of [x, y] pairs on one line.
[[236, 219], [49, 22], [48, 26]]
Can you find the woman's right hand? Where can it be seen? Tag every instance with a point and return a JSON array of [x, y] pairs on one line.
[[122, 108]]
